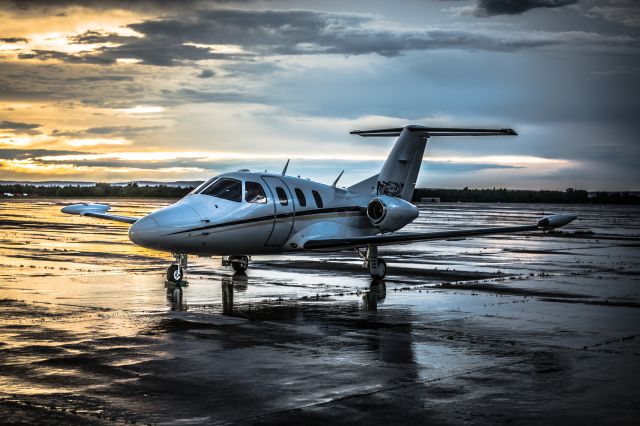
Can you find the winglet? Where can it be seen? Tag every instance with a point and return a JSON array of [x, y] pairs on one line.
[[285, 167], [335, 182]]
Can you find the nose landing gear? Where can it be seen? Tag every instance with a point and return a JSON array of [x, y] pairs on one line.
[[175, 272]]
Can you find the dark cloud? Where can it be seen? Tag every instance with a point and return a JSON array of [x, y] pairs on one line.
[[71, 83], [94, 37], [625, 12], [110, 130], [92, 78], [251, 67], [22, 154], [516, 7], [17, 126], [185, 38], [206, 74], [122, 130], [182, 96], [115, 162], [13, 40], [44, 55], [37, 6], [170, 41], [159, 49]]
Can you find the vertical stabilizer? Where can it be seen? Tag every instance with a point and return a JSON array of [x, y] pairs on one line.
[[400, 172]]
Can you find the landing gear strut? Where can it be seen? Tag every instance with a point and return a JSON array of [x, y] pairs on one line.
[[238, 263], [377, 267], [175, 273]]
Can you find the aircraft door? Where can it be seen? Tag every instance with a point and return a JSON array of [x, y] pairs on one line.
[[284, 213]]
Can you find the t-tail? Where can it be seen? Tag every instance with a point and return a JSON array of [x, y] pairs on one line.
[[400, 171]]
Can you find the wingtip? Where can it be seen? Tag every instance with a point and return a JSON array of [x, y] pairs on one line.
[[82, 208]]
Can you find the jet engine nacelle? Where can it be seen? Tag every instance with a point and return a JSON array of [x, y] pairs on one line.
[[391, 213]]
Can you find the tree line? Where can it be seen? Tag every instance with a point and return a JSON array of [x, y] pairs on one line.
[[132, 190], [495, 195], [503, 195]]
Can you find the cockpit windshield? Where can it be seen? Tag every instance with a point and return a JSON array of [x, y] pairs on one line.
[[225, 188], [198, 189]]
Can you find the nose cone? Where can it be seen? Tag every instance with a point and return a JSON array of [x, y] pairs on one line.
[[163, 229], [145, 232]]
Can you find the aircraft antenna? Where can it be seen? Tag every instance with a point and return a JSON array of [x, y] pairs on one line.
[[285, 167], [335, 182]]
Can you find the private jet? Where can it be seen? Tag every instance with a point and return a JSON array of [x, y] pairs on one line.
[[240, 214]]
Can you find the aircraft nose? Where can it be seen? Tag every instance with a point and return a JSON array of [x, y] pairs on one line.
[[156, 230], [144, 232]]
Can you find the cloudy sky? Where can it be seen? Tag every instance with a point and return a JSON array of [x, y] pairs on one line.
[[110, 90]]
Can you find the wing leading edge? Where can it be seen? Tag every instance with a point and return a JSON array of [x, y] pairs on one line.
[[546, 223], [98, 211]]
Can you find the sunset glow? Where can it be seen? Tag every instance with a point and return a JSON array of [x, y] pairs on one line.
[[93, 89]]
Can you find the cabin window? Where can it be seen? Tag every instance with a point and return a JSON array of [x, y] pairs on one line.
[[282, 196], [301, 198], [318, 199], [227, 189], [254, 193]]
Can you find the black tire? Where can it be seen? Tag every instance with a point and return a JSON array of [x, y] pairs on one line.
[[174, 274], [242, 265], [382, 270]]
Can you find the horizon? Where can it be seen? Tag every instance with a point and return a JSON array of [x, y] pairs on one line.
[[113, 91], [146, 182]]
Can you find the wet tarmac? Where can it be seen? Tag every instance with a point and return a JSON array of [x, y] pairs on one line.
[[525, 329]]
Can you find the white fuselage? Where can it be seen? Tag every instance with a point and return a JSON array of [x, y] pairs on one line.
[[295, 210]]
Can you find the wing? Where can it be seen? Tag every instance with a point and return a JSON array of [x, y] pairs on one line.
[[546, 223], [96, 210]]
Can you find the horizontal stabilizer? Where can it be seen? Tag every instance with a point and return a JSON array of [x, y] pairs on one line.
[[434, 131]]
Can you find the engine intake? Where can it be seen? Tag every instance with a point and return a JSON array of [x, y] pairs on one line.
[[376, 211], [390, 213]]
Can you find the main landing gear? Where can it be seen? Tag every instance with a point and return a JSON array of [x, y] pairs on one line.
[[238, 263], [175, 272], [377, 267]]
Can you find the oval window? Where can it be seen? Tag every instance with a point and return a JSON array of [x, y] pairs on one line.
[[282, 196], [318, 199], [301, 198]]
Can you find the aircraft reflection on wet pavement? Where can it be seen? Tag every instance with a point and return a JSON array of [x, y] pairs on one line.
[[376, 294], [238, 283], [240, 214], [175, 296]]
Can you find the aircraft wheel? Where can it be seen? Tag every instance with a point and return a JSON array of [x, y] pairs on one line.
[[382, 270], [174, 274], [241, 264]]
